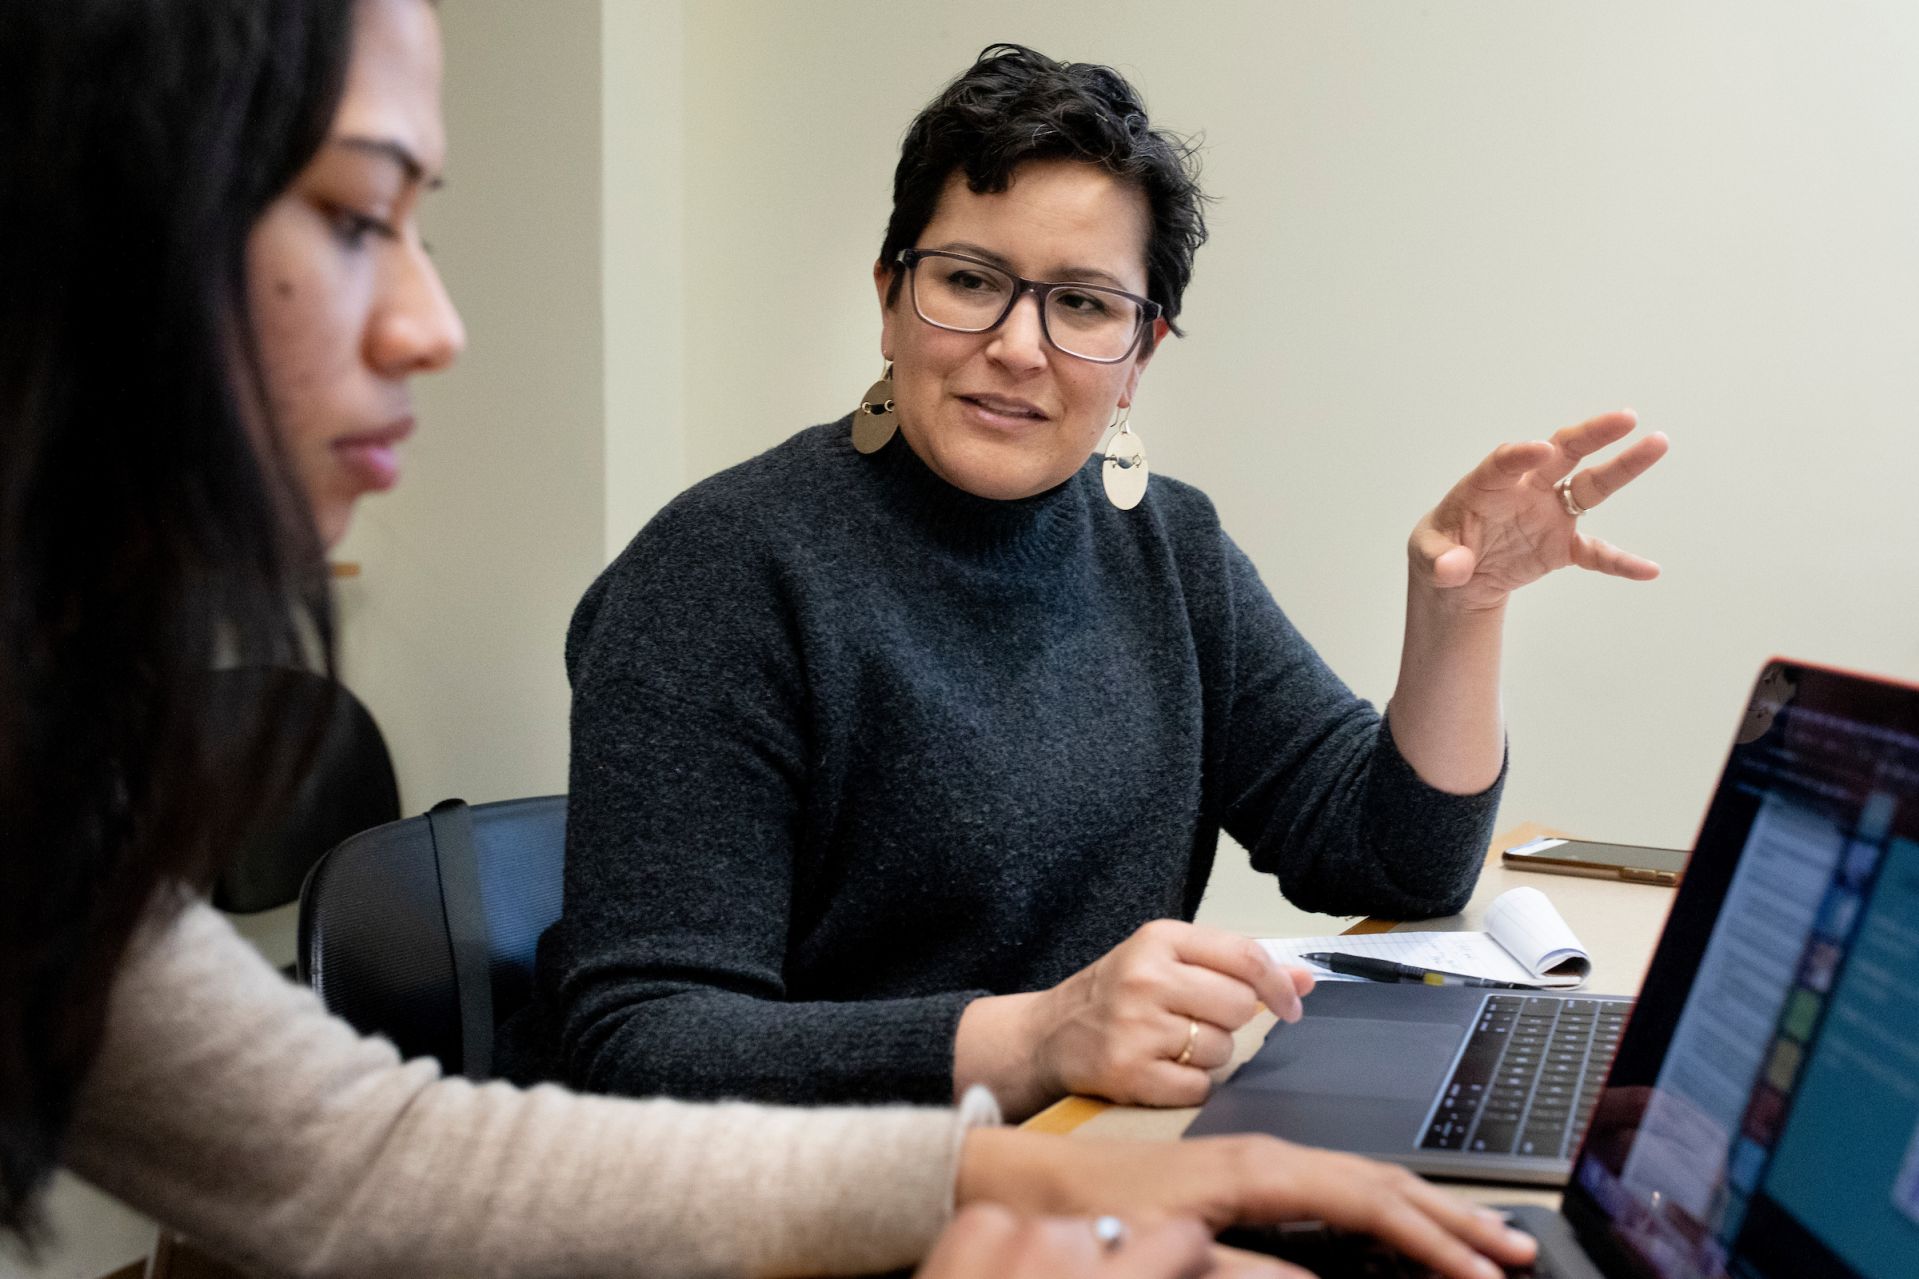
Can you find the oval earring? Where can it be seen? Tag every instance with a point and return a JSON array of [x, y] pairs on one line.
[[1124, 471], [874, 421]]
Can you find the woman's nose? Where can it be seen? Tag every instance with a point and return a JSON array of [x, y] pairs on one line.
[[417, 329], [1020, 341]]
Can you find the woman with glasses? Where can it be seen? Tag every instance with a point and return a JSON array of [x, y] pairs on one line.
[[900, 752], [216, 301]]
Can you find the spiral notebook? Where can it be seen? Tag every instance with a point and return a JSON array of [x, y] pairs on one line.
[[1526, 941]]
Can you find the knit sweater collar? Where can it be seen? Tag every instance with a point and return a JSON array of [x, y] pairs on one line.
[[1027, 529]]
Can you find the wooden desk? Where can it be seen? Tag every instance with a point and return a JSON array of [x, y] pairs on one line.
[[1619, 922]]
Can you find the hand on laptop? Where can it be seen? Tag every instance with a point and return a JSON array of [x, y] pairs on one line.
[[1226, 1181], [1142, 1025], [989, 1242]]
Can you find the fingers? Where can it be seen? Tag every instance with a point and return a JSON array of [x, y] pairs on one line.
[[1603, 557], [1394, 1206], [1595, 484], [1180, 1247], [1121, 1028], [1211, 996], [1212, 1044], [1453, 1236], [1170, 1084], [986, 1241], [1573, 444], [1510, 463], [1245, 959]]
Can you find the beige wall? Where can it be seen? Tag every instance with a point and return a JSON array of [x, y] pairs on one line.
[[452, 633]]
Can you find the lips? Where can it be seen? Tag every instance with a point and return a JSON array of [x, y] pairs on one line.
[[1002, 411], [372, 457]]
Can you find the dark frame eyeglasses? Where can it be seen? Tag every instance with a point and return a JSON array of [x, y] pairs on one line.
[[1042, 291]]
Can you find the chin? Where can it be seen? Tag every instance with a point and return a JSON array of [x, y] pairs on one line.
[[331, 521], [1007, 479]]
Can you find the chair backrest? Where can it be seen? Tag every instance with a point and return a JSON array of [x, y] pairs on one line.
[[348, 785], [424, 930]]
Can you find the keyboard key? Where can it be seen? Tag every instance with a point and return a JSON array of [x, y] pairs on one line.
[[1496, 1135]]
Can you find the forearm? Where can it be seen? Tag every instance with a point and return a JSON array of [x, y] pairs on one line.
[[626, 1037], [227, 1104], [1446, 716]]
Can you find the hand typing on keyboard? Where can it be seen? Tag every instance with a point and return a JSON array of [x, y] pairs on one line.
[[1334, 1254], [1254, 1181]]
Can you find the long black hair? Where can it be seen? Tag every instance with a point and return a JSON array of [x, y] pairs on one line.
[[149, 525]]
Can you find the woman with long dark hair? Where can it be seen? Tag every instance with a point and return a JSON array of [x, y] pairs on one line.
[[213, 296]]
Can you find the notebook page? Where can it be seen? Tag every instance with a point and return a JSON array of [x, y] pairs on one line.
[[1526, 941], [1524, 922], [1470, 954]]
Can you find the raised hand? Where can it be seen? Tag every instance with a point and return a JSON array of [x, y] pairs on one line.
[[1512, 521]]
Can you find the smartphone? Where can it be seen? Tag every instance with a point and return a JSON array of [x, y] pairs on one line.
[[1555, 856]]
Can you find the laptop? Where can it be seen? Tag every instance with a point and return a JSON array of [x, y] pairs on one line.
[[1761, 1117]]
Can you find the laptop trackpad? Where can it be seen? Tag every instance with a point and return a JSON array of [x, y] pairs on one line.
[[1354, 1057]]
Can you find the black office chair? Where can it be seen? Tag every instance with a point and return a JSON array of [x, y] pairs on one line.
[[424, 930], [346, 787]]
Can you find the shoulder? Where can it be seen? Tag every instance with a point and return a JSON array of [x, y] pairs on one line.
[[776, 489], [1183, 509], [1181, 519], [719, 546]]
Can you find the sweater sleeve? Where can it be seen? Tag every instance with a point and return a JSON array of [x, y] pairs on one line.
[[228, 1104], [1312, 783], [667, 973]]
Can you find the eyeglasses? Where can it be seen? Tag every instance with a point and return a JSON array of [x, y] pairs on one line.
[[965, 295]]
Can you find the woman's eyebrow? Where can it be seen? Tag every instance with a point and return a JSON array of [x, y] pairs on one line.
[[397, 152], [1075, 274]]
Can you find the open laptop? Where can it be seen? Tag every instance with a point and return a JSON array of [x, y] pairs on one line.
[[1761, 1117]]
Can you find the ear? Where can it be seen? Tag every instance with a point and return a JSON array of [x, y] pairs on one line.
[[1160, 330], [883, 281]]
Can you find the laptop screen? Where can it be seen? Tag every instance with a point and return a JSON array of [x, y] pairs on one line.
[[1762, 1116]]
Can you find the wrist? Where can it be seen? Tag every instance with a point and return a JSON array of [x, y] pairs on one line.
[[1024, 1170], [1449, 606], [996, 1047]]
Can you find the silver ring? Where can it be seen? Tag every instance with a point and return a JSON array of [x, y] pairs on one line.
[[1192, 1042], [1111, 1233], [1566, 499]]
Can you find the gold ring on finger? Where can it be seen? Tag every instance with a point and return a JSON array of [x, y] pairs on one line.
[[1192, 1042], [1566, 499]]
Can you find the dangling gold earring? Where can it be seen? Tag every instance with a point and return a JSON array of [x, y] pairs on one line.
[[874, 421], [1124, 471]]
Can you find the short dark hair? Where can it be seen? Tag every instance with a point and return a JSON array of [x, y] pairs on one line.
[[146, 534], [1014, 105]]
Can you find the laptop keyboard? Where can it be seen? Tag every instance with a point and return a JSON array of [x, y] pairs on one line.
[[1529, 1076]]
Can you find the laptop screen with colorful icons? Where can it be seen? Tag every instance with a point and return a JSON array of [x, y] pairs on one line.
[[1762, 1116]]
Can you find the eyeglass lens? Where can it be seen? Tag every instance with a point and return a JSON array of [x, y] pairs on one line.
[[1082, 320]]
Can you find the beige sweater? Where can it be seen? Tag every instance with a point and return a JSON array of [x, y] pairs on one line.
[[230, 1106]]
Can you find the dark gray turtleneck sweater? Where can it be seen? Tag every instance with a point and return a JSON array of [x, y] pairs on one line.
[[852, 748]]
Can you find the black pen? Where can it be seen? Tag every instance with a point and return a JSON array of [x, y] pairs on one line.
[[1373, 969]]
